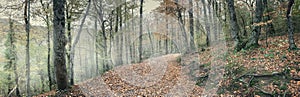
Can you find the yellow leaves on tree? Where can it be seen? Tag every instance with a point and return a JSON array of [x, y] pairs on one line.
[[169, 7], [160, 36]]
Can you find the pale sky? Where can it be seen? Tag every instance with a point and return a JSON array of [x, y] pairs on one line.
[[150, 5]]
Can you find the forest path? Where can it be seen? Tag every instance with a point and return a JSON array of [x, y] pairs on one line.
[[159, 76]]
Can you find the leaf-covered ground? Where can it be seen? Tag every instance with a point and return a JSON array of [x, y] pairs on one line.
[[271, 70]]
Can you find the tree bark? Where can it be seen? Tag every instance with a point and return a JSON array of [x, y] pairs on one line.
[[206, 23], [105, 44], [234, 25], [49, 51], [191, 20], [96, 47], [141, 31], [69, 36], [27, 60], [59, 42], [121, 36], [292, 44]]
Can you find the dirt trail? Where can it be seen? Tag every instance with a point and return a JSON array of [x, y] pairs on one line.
[[160, 76]]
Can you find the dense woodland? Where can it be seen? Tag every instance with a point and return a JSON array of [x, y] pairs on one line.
[[184, 47]]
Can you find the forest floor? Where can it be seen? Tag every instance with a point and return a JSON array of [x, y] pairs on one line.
[[271, 70]]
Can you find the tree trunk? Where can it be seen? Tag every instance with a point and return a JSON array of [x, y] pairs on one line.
[[47, 20], [111, 39], [48, 54], [72, 52], [191, 20], [27, 60], [292, 44], [244, 26], [197, 20], [105, 44], [59, 42], [181, 24], [121, 37], [12, 57], [206, 23], [96, 46], [253, 41], [69, 36], [234, 25], [141, 31]]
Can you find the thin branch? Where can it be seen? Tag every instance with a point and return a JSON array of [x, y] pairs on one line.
[[265, 75], [79, 32], [12, 91], [263, 91]]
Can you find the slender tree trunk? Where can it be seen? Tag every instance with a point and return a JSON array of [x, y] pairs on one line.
[[47, 20], [292, 44], [197, 20], [111, 39], [59, 42], [12, 56], [141, 31], [121, 36], [117, 37], [105, 44], [96, 46], [72, 52], [181, 24], [69, 63], [206, 23], [132, 47], [225, 13], [234, 25], [253, 41], [48, 54], [27, 60], [214, 18], [167, 32], [191, 20]]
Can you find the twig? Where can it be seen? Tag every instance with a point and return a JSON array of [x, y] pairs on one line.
[[265, 75], [250, 81], [263, 91], [296, 79], [12, 91]]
